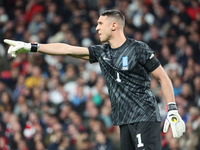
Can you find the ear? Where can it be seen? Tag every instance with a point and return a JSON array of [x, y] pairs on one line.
[[114, 26]]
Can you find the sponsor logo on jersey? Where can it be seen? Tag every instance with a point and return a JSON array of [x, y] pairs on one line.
[[174, 119], [125, 63], [105, 58]]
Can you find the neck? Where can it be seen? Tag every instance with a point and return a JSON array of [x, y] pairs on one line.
[[117, 40]]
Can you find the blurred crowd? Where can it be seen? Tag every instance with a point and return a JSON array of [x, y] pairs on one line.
[[62, 103]]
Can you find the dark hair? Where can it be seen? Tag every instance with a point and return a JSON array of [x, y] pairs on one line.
[[115, 14]]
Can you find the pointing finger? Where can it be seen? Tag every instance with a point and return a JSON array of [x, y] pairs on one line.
[[11, 42]]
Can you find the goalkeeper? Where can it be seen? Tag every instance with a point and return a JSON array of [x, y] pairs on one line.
[[126, 65]]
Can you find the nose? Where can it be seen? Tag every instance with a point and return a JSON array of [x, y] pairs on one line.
[[97, 28]]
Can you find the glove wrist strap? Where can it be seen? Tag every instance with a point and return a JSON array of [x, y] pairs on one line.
[[34, 47], [170, 106]]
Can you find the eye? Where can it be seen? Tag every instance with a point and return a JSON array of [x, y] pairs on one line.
[[99, 23]]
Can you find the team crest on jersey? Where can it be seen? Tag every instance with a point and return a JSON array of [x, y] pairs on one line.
[[125, 63]]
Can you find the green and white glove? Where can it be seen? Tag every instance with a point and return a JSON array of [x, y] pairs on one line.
[[174, 120], [18, 47]]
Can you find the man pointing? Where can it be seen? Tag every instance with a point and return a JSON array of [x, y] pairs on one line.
[[126, 65]]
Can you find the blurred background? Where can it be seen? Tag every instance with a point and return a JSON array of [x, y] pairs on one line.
[[62, 103]]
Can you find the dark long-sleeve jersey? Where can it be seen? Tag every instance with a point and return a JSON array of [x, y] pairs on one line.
[[128, 80]]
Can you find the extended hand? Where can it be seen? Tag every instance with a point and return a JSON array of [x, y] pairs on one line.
[[176, 123], [18, 47]]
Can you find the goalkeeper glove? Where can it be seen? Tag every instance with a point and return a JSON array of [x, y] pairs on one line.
[[18, 47], [174, 119]]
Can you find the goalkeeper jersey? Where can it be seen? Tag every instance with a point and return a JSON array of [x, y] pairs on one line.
[[127, 80]]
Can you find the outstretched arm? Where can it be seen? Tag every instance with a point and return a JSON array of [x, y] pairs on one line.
[[52, 49], [64, 49]]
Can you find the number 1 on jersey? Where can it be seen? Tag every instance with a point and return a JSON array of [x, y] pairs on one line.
[[118, 78], [140, 144]]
